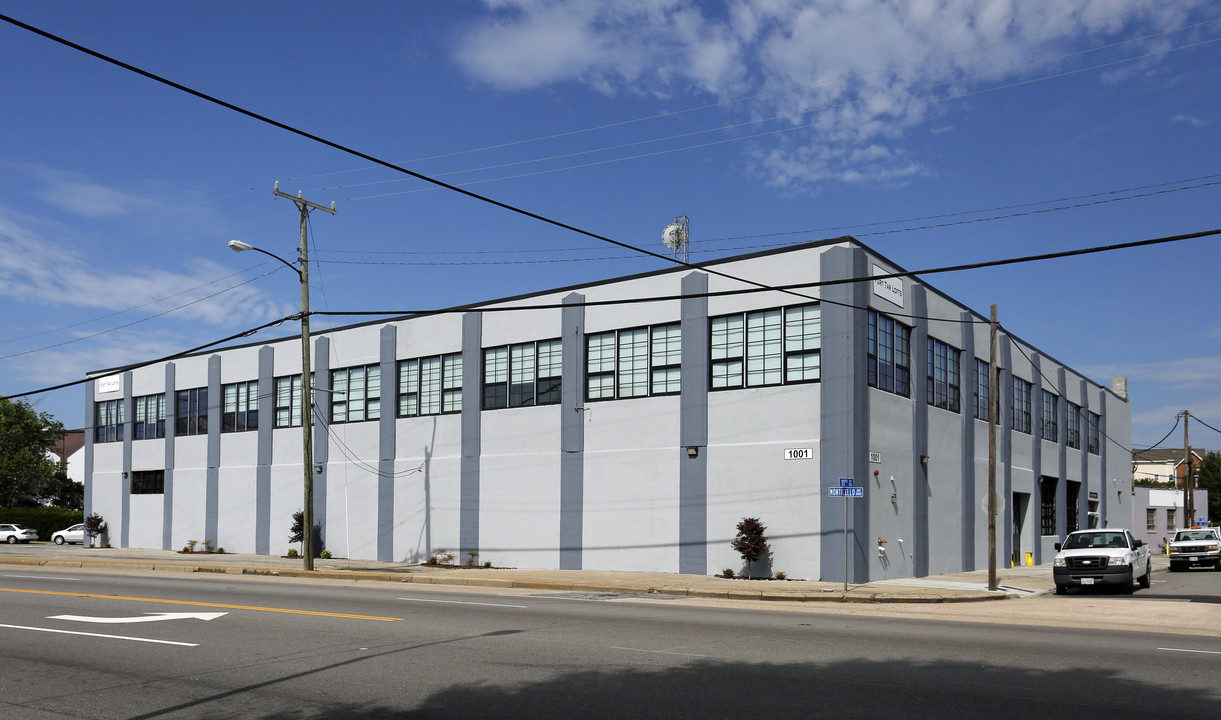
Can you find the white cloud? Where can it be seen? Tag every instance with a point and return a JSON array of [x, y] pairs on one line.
[[1191, 120], [1178, 373], [855, 72], [34, 268], [80, 196]]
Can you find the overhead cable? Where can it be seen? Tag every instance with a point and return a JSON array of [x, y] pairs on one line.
[[365, 156]]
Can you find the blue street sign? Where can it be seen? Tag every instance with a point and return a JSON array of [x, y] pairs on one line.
[[847, 492], [845, 482]]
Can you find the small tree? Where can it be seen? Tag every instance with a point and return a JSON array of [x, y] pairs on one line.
[[95, 525], [751, 542], [296, 533]]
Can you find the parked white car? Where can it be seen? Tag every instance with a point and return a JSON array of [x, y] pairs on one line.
[[1105, 556], [14, 533], [74, 534], [1195, 546]]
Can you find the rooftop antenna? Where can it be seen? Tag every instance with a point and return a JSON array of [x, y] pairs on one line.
[[677, 237]]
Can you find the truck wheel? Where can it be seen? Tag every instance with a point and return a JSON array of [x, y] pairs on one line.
[[1061, 589], [1217, 567], [1129, 585], [1174, 567], [1147, 579]]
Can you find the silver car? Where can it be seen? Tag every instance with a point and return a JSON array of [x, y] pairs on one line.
[[74, 534], [13, 533]]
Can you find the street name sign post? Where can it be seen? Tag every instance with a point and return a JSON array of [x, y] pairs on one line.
[[846, 491]]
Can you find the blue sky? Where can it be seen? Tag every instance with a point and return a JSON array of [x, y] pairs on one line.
[[765, 121]]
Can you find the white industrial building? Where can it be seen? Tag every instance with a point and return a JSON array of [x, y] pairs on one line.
[[592, 428]]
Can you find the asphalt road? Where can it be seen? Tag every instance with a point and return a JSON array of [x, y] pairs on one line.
[[277, 649]]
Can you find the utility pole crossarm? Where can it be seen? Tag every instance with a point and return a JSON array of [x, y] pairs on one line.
[[302, 202]]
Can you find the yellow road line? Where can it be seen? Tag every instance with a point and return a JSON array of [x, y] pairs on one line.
[[203, 604]]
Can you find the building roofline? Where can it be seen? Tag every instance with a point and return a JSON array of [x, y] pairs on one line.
[[467, 307]]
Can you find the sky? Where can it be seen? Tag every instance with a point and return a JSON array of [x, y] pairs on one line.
[[938, 132]]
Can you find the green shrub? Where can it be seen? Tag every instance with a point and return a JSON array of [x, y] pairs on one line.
[[292, 552], [782, 576], [326, 555], [727, 573]]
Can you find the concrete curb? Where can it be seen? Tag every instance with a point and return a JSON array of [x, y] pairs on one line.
[[866, 594]]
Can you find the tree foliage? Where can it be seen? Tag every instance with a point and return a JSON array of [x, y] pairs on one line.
[[27, 442], [95, 525], [1210, 480], [751, 541], [296, 532]]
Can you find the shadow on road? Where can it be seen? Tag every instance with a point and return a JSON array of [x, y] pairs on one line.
[[856, 689]]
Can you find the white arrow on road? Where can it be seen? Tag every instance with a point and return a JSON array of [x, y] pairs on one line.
[[147, 617]]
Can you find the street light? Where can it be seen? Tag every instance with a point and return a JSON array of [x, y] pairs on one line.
[[307, 400]]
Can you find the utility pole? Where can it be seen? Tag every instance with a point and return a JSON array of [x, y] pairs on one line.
[[1188, 496], [307, 395], [993, 409]]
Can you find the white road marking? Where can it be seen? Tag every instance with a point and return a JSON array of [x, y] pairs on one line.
[[99, 635], [657, 652], [147, 617], [1205, 652], [41, 577], [460, 602]]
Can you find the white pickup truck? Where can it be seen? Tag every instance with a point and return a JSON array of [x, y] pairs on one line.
[[1195, 546], [1102, 556]]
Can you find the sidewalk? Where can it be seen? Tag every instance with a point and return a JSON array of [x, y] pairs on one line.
[[951, 588]]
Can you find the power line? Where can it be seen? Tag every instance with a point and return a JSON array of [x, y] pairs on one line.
[[675, 113], [769, 245], [1210, 427], [365, 156], [125, 310], [813, 284], [1159, 442], [141, 320], [627, 301], [809, 111], [794, 128], [166, 358]]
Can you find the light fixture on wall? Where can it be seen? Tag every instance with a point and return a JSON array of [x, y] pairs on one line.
[[124, 474], [693, 451], [924, 459], [318, 469]]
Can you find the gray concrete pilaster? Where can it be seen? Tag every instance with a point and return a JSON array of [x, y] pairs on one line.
[[167, 508], [263, 460], [844, 414], [386, 445], [212, 472], [572, 433], [472, 402], [693, 428], [320, 356]]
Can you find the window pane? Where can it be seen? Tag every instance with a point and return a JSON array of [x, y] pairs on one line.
[[430, 386], [521, 375], [600, 366], [633, 363]]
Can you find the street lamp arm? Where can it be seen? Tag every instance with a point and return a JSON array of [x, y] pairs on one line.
[[239, 246]]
